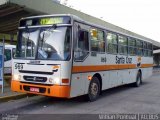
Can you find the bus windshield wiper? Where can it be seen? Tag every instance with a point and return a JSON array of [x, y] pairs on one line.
[[54, 26], [42, 52]]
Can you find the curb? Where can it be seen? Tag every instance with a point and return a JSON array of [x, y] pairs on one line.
[[14, 97]]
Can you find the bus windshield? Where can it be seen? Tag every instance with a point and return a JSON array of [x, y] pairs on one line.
[[44, 43]]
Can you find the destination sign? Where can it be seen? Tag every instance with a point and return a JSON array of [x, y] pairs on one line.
[[45, 21], [49, 21]]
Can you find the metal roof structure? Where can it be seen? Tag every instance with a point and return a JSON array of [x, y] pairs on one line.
[[13, 10], [9, 17]]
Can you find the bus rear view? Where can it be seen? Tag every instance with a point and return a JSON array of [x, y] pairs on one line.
[[42, 63]]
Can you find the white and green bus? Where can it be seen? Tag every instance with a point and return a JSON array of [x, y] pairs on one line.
[[66, 56]]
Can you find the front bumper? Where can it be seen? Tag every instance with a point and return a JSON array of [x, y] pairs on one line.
[[53, 91]]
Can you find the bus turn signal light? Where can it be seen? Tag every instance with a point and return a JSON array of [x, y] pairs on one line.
[[56, 67], [89, 77]]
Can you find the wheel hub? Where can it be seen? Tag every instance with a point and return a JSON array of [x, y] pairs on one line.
[[94, 89]]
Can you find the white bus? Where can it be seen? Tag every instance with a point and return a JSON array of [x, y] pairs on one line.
[[65, 56], [8, 55]]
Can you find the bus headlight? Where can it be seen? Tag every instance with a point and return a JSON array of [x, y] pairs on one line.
[[16, 77], [57, 81]]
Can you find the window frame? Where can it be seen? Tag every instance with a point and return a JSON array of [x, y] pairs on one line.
[[121, 45], [99, 41], [88, 39], [139, 47], [131, 46], [107, 43]]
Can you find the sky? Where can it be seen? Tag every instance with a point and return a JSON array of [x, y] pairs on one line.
[[139, 16]]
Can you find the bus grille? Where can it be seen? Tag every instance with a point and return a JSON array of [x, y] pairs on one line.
[[35, 78]]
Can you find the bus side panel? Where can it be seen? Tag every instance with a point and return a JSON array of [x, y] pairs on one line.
[[132, 75], [123, 77], [113, 78], [106, 83], [77, 85], [112, 70]]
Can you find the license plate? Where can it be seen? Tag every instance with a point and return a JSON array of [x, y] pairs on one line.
[[34, 89]]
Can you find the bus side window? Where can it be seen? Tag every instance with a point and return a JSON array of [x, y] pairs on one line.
[[7, 55], [82, 49]]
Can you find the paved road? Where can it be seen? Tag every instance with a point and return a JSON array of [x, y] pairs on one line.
[[124, 99]]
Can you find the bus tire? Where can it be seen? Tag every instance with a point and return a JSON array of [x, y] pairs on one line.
[[138, 80], [94, 89]]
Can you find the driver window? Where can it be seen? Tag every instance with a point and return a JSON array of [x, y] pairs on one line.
[[82, 49], [83, 40]]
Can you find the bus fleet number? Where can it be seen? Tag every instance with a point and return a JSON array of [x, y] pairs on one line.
[[18, 66]]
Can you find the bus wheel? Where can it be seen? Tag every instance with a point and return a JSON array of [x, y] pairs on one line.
[[138, 80], [94, 89]]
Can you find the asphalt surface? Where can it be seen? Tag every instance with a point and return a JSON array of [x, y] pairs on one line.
[[124, 99]]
